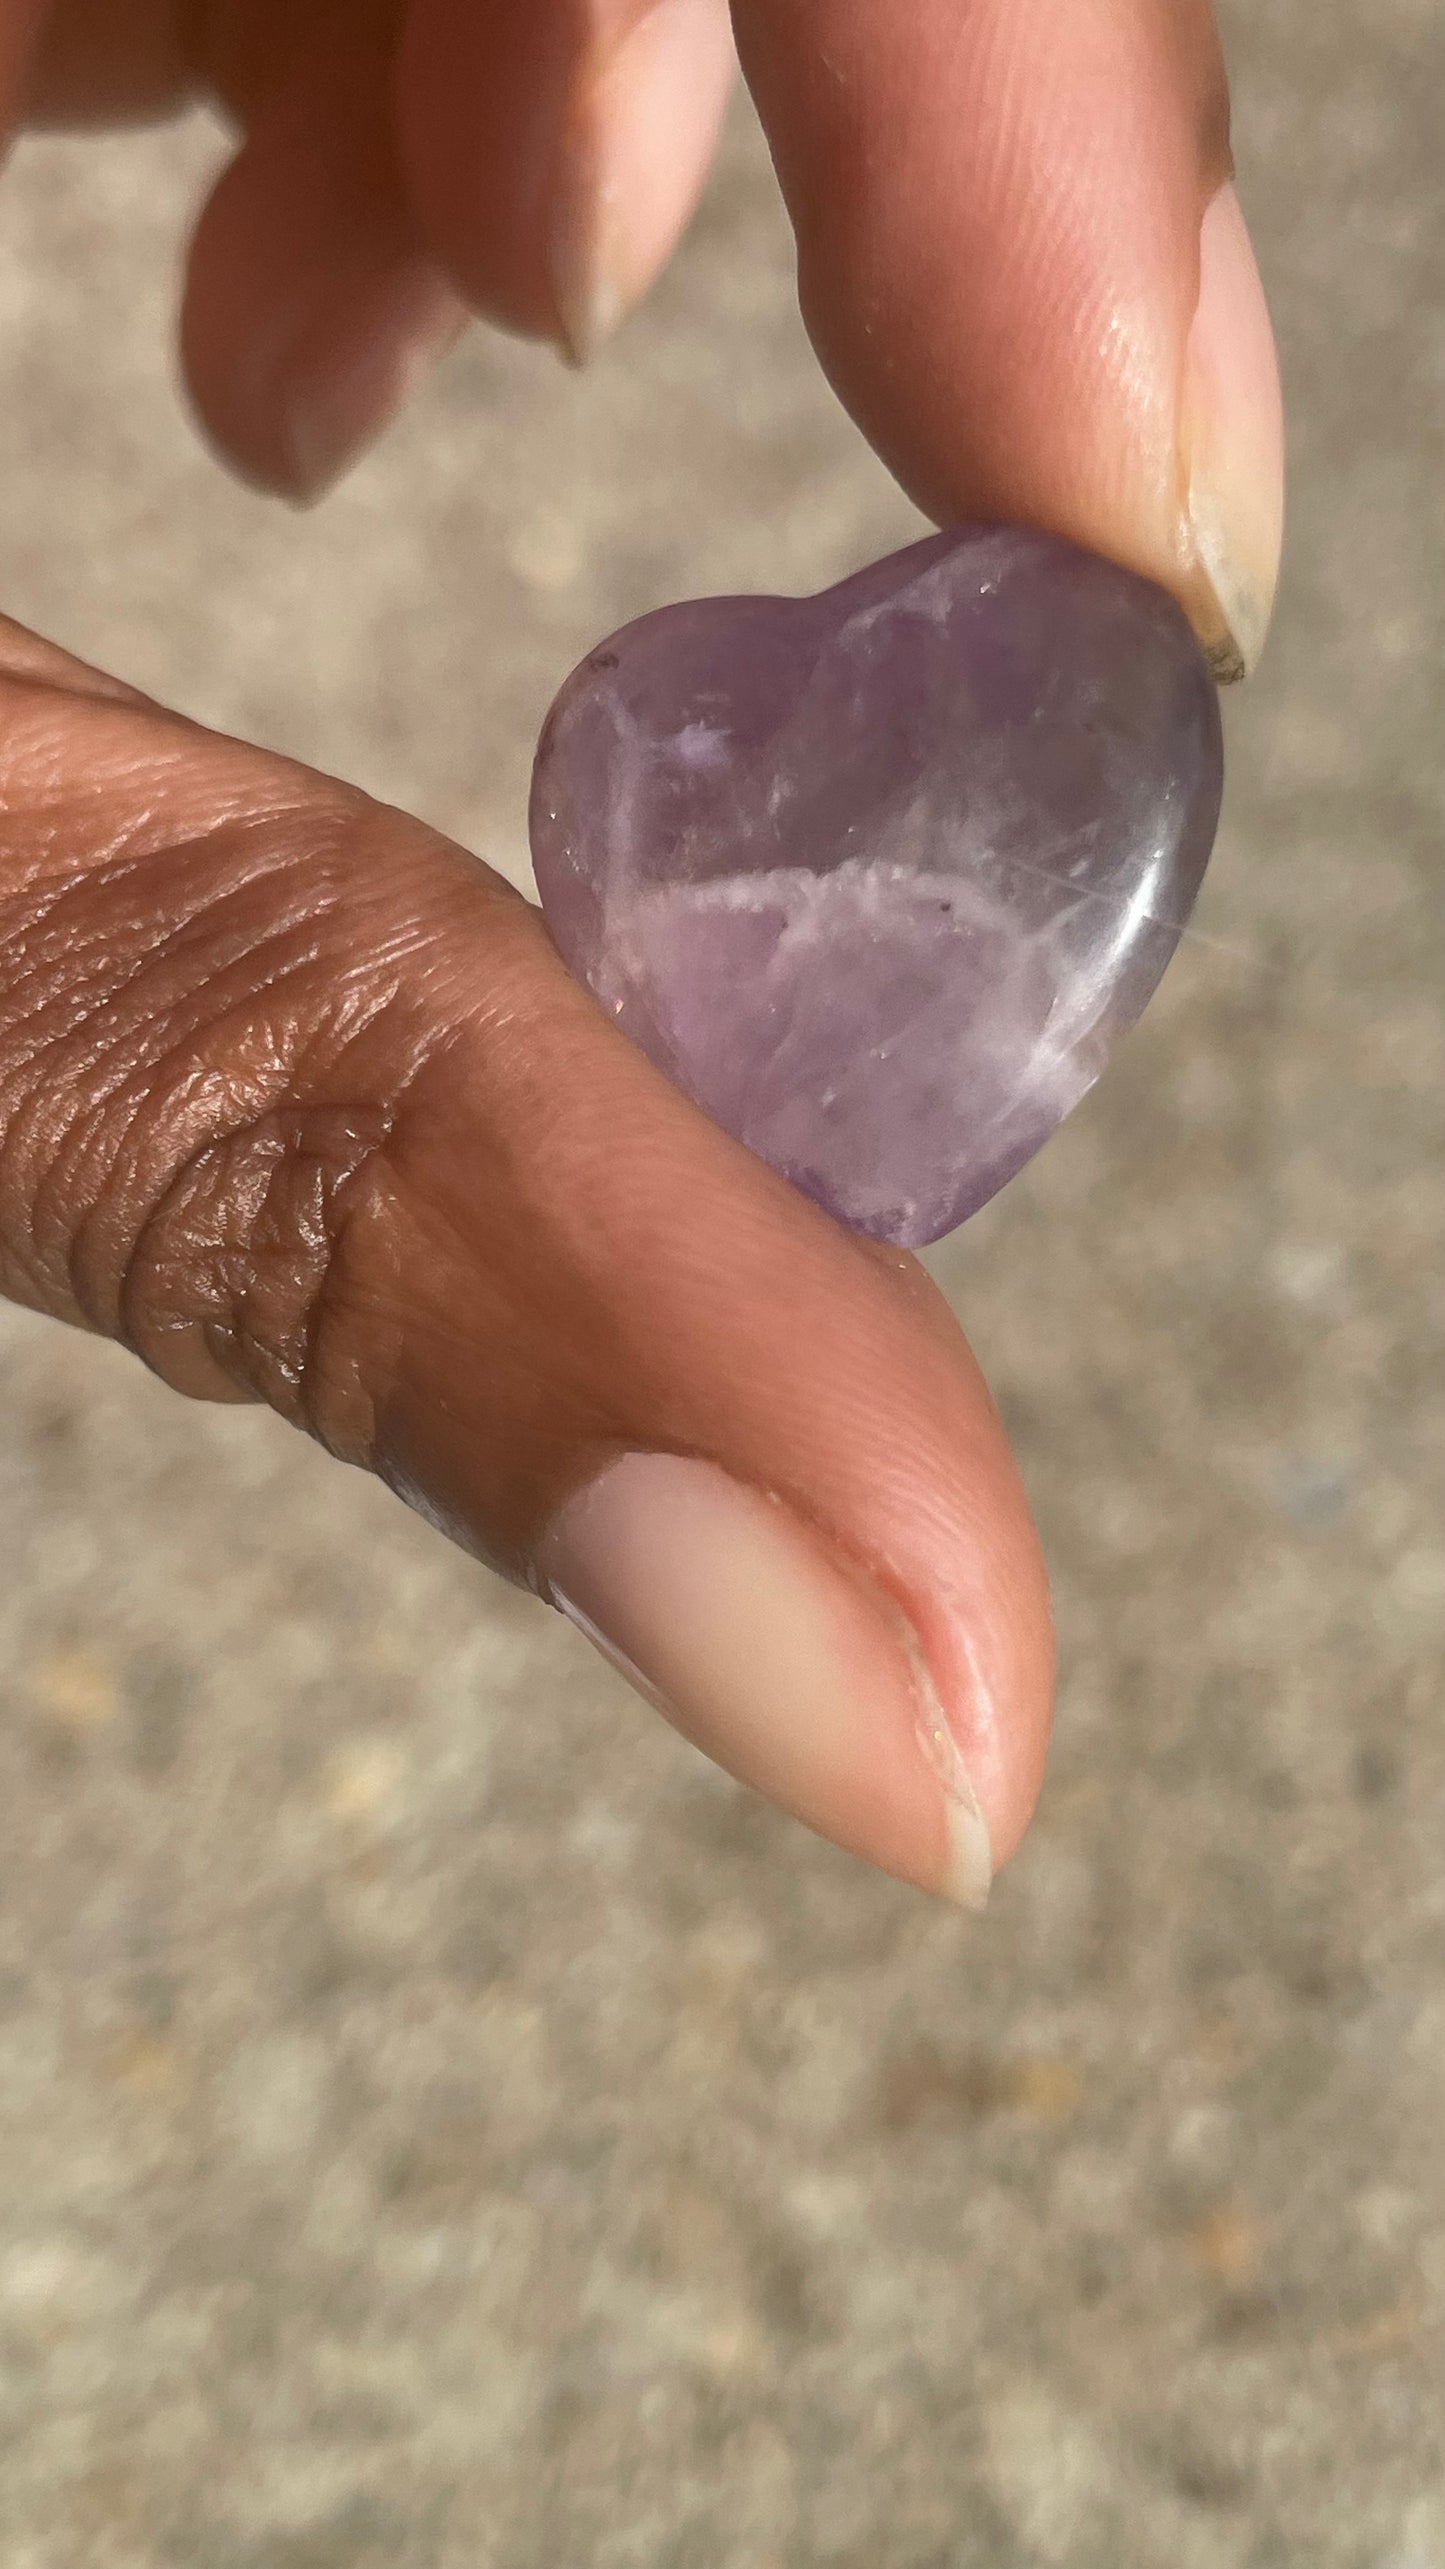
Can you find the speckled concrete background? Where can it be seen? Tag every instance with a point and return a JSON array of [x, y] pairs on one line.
[[442, 2124]]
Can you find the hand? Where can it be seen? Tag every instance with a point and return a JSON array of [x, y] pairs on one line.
[[294, 1096]]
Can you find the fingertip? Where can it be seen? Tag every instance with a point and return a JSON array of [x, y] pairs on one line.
[[792, 1670], [1026, 273], [555, 156], [637, 144], [311, 312], [355, 349]]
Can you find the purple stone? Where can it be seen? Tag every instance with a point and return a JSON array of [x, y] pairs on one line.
[[879, 877]]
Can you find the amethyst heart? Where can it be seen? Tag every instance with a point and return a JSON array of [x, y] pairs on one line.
[[879, 877]]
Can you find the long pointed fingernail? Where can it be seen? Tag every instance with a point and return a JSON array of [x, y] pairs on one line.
[[776, 1658], [638, 141], [1231, 447], [351, 364]]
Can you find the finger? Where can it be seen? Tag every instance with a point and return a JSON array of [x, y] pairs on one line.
[[536, 165], [311, 304], [1026, 271], [97, 62], [554, 153], [296, 1100]]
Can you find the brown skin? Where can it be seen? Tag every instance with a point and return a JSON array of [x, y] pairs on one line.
[[295, 1097]]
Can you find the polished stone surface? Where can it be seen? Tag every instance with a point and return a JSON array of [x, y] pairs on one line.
[[881, 876]]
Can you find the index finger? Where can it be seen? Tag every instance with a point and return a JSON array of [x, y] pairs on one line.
[[1024, 267]]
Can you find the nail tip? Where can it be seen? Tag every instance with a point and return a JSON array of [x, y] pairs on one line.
[[1234, 615], [311, 469], [279, 480], [305, 496], [968, 1858], [1227, 664], [587, 317], [968, 1879], [321, 441], [1231, 448]]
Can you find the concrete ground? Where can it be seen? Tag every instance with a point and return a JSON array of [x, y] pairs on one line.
[[444, 2125]]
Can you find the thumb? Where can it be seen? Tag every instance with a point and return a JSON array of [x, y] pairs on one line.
[[297, 1100]]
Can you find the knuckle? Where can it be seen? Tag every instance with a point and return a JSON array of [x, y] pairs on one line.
[[246, 1280], [205, 1041]]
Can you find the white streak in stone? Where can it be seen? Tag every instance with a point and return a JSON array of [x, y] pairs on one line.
[[778, 967]]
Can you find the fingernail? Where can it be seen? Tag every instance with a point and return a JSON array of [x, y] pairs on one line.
[[773, 1656], [352, 365], [638, 140], [1232, 446]]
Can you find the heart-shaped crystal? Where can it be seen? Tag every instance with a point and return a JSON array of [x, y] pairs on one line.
[[880, 876]]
